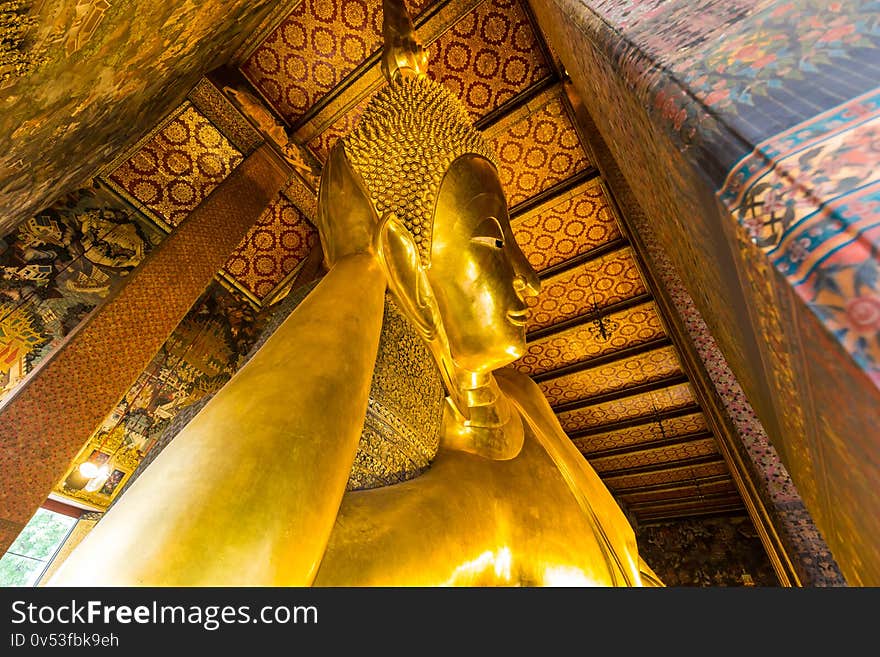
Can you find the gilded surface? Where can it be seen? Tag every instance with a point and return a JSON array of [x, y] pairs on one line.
[[508, 498]]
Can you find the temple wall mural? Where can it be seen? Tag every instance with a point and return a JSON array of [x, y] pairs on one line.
[[746, 133], [56, 267], [197, 359], [706, 552]]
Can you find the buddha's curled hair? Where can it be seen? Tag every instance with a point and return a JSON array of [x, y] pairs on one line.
[[406, 139]]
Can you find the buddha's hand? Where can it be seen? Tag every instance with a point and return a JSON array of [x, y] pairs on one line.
[[347, 220]]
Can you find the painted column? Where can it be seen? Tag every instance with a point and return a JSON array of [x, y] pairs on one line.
[[46, 421], [747, 133]]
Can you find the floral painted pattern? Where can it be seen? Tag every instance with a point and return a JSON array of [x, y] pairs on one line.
[[810, 199]]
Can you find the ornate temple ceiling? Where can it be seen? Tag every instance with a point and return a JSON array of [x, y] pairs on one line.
[[597, 345]]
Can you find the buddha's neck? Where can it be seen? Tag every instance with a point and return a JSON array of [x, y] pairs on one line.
[[479, 418]]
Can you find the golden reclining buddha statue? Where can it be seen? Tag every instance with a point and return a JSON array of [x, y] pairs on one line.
[[376, 438]]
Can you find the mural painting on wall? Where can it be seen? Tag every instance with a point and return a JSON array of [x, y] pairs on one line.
[[201, 354], [56, 267], [708, 552]]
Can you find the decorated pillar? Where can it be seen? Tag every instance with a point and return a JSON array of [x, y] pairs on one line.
[[44, 424]]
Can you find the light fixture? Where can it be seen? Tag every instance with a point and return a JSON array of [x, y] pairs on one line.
[[601, 327]]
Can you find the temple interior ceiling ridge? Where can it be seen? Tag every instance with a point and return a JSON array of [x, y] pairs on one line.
[[597, 344]]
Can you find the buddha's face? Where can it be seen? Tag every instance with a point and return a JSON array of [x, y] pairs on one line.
[[477, 272]]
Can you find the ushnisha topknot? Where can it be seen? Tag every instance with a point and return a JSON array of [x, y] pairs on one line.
[[406, 139]]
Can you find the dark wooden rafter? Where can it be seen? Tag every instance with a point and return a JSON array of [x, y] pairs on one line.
[[595, 253], [620, 354], [611, 427], [610, 309], [653, 386], [644, 447]]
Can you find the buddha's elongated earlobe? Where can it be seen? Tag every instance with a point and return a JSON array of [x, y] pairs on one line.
[[406, 275]]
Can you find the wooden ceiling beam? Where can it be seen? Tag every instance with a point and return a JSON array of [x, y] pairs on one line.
[[595, 253], [644, 447], [668, 382], [635, 421], [737, 510], [621, 354], [610, 309]]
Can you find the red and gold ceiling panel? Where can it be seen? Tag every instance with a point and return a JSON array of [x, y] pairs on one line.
[[610, 279], [177, 167], [640, 405], [621, 374], [489, 56], [642, 434], [670, 453], [685, 473], [536, 149], [635, 326], [567, 227], [679, 492], [314, 49], [274, 247], [322, 144]]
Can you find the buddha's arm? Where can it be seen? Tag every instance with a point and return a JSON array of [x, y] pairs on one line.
[[248, 493]]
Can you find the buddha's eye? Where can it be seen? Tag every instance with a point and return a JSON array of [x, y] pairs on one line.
[[489, 232]]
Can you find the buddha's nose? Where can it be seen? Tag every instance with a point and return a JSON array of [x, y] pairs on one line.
[[525, 280]]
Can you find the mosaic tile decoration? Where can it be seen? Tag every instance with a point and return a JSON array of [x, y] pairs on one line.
[[643, 433], [641, 405], [610, 279], [635, 326], [314, 49], [177, 169], [274, 246], [621, 374], [567, 228], [537, 147]]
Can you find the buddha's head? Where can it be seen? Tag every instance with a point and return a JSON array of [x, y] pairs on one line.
[[443, 229], [416, 184]]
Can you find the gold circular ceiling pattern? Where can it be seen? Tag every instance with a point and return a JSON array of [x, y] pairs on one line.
[[489, 56], [314, 49], [273, 248], [538, 151], [626, 373], [642, 405], [610, 279], [178, 167], [671, 475], [667, 454], [643, 433], [567, 229], [635, 326]]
